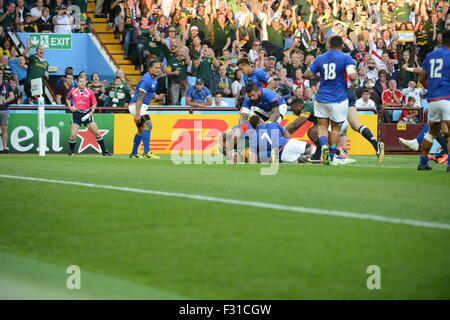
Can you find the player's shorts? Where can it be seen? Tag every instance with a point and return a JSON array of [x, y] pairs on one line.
[[292, 150], [132, 109], [439, 111], [76, 118], [336, 112], [266, 115], [144, 114], [4, 117]]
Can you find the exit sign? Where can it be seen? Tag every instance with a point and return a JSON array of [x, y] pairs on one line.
[[52, 41]]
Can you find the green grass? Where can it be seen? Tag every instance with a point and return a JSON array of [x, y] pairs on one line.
[[131, 245]]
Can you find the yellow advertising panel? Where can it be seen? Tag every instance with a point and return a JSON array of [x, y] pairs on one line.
[[199, 132]]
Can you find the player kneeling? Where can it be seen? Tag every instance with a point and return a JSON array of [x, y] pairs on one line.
[[272, 143], [234, 143]]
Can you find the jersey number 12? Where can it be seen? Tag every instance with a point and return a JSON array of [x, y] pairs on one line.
[[436, 67], [329, 71]]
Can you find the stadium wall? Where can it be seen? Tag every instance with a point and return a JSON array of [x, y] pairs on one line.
[[171, 132], [83, 55]]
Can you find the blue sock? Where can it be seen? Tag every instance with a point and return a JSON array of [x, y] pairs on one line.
[[332, 151], [136, 143], [448, 160], [146, 141], [323, 141], [421, 134], [423, 160]]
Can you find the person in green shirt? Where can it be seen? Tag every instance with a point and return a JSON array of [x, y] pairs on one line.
[[37, 67], [275, 33], [154, 45], [204, 65], [221, 34], [177, 72], [9, 17], [198, 20], [171, 52], [118, 95], [402, 11]]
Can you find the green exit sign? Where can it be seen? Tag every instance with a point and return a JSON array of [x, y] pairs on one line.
[[52, 40]]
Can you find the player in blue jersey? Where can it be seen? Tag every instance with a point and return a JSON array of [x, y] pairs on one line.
[[145, 90], [435, 77], [266, 103], [331, 102], [272, 143], [255, 75]]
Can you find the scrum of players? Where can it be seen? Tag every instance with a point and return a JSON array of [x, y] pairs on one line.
[[259, 137]]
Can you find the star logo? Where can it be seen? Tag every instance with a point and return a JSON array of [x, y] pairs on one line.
[[88, 140]]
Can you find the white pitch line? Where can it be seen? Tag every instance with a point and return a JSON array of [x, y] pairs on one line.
[[341, 214]]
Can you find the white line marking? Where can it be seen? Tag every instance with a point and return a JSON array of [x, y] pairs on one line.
[[342, 214]]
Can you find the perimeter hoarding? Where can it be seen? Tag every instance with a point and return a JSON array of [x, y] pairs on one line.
[[23, 133], [170, 132], [199, 131]]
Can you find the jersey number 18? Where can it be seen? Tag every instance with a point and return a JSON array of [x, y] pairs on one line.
[[329, 71]]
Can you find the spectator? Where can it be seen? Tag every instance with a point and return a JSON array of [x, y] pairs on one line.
[[392, 97], [118, 95], [98, 88], [218, 102], [6, 48], [365, 101], [6, 97], [121, 74], [129, 15], [28, 25], [237, 84], [62, 21], [204, 66], [21, 10], [19, 69], [298, 94], [198, 95], [222, 83], [359, 53], [221, 34], [405, 75], [36, 12], [410, 114], [372, 70], [9, 17], [391, 73], [382, 83], [83, 27], [37, 67], [7, 71], [16, 92], [413, 91], [370, 84], [45, 22], [98, 13], [177, 71], [63, 90], [114, 14]]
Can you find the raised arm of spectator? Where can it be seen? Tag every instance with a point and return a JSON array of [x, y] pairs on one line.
[[335, 8], [26, 52], [280, 8], [174, 6]]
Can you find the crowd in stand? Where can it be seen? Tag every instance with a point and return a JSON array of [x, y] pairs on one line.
[[388, 39], [204, 39]]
